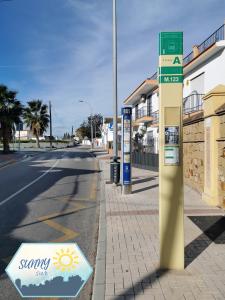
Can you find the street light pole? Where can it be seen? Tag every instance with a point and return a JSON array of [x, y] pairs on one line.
[[19, 136], [82, 101], [115, 164], [115, 145], [91, 132], [50, 116]]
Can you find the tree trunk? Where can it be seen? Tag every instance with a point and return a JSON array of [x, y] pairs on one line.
[[6, 138], [37, 141]]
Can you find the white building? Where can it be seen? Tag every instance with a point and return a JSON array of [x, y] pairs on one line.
[[204, 68], [107, 132], [24, 135]]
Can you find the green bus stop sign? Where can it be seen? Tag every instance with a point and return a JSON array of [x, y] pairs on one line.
[[171, 43]]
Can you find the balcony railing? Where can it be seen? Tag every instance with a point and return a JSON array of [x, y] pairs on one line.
[[155, 116], [145, 112], [154, 76], [192, 103], [218, 35], [188, 58], [142, 112]]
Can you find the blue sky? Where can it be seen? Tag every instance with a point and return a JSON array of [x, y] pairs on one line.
[[61, 50]]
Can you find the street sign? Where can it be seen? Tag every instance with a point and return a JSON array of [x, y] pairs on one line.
[[171, 155], [171, 210], [49, 270], [19, 126], [126, 148]]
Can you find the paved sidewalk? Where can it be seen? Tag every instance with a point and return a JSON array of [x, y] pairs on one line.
[[132, 245]]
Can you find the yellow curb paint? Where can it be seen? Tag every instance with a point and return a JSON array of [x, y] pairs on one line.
[[68, 233]]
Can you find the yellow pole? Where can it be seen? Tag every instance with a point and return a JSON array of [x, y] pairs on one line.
[[171, 209]]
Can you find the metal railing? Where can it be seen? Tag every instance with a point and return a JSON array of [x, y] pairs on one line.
[[192, 103], [142, 112], [188, 58], [154, 76], [216, 36], [144, 157], [145, 112], [155, 116]]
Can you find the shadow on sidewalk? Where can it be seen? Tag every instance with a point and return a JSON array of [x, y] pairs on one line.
[[142, 180], [213, 228], [145, 281], [173, 189], [145, 188]]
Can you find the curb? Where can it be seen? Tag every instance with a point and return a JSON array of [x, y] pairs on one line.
[[100, 265]]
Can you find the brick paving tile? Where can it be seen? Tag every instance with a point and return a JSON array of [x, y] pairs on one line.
[[145, 297], [110, 289], [132, 250]]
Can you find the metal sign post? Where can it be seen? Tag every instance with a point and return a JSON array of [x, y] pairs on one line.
[[171, 210], [126, 149]]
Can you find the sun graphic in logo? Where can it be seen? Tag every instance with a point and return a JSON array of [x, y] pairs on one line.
[[65, 260]]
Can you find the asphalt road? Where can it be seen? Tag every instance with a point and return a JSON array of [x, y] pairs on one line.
[[52, 197]]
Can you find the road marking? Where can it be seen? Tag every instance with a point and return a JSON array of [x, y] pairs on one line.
[[68, 233], [29, 184], [65, 212]]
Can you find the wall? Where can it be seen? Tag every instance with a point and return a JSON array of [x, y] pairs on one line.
[[221, 162], [193, 149], [214, 71]]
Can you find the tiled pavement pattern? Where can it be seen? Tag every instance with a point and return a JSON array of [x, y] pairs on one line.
[[132, 251]]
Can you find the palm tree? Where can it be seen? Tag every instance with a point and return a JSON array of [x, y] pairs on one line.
[[10, 113], [37, 118]]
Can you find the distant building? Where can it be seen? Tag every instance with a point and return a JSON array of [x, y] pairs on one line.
[[24, 135], [107, 132]]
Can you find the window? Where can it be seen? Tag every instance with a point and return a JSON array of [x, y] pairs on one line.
[[197, 84], [149, 105]]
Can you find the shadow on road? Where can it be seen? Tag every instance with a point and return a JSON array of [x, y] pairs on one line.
[[14, 212]]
